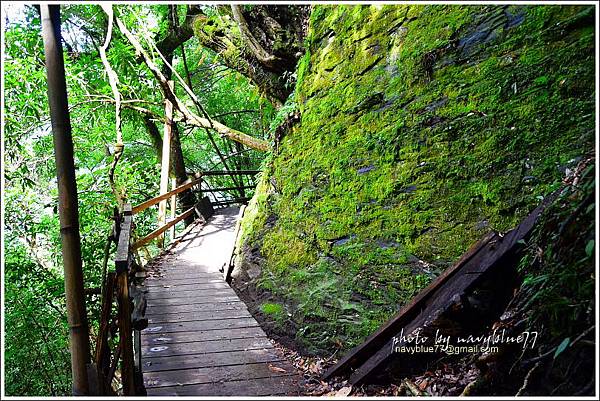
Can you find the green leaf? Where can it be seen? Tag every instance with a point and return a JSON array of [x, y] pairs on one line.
[[562, 346], [589, 248]]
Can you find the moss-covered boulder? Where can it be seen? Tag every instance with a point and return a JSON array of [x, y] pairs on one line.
[[421, 128]]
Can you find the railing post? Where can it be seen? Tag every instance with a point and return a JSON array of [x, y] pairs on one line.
[[173, 207], [125, 335], [122, 263]]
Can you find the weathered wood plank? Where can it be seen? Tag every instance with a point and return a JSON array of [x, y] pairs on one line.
[[273, 386], [213, 305], [157, 281], [191, 295], [199, 316], [216, 374], [181, 285], [212, 300], [125, 338], [205, 360], [201, 325], [240, 351], [207, 277], [122, 254], [198, 340]]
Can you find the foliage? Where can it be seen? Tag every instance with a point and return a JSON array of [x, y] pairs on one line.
[[559, 262]]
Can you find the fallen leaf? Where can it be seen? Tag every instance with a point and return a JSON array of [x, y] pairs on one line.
[[344, 391], [276, 369]]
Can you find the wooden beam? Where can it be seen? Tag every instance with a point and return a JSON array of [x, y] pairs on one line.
[[236, 172], [125, 334], [122, 255], [160, 230], [153, 201], [227, 189]]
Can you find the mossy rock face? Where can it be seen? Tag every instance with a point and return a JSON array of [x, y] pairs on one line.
[[422, 128]]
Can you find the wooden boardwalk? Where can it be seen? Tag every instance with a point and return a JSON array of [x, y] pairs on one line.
[[201, 340]]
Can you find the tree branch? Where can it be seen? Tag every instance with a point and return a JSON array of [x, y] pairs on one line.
[[190, 117], [113, 79]]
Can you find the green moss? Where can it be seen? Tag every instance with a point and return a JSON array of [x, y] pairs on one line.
[[398, 166]]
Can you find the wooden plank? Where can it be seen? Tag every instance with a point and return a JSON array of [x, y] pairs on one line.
[[206, 293], [197, 341], [175, 289], [138, 319], [153, 201], [218, 304], [205, 208], [200, 303], [125, 334], [154, 281], [201, 325], [183, 274], [198, 316], [478, 264], [122, 254], [229, 268], [269, 386], [231, 172], [200, 353], [177, 355], [216, 374], [227, 188], [160, 230], [185, 285], [406, 313]]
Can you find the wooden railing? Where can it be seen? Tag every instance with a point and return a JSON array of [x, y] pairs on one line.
[[119, 336]]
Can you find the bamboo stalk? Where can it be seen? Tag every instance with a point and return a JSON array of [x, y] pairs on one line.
[[67, 199]]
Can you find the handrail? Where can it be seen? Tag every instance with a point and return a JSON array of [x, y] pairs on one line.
[[231, 172], [227, 188], [163, 228], [167, 195]]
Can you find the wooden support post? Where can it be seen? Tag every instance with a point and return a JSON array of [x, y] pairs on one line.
[[164, 170], [173, 208], [125, 334], [67, 198]]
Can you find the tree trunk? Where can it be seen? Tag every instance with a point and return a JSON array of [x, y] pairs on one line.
[[262, 42]]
